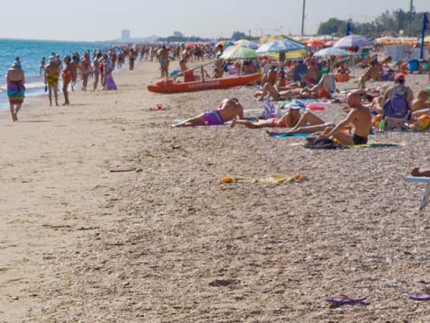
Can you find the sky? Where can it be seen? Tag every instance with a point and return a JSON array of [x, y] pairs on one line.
[[95, 20]]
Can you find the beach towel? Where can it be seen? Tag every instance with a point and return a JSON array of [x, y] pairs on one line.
[[228, 123], [275, 179], [15, 92], [283, 135]]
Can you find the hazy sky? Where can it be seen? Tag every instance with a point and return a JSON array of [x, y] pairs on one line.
[[104, 20]]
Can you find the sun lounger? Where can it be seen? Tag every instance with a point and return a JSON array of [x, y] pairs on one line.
[[426, 194]]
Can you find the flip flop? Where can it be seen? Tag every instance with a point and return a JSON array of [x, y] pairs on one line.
[[345, 300], [419, 296]]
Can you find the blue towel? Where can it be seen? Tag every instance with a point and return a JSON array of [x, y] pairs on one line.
[[283, 135]]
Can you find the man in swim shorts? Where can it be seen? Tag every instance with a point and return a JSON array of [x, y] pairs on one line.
[[229, 109], [359, 119]]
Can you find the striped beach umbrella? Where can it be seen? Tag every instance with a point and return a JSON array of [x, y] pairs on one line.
[[353, 41], [277, 46]]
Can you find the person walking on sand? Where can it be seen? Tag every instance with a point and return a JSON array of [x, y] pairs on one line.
[[67, 78], [96, 69], [52, 74], [74, 66], [131, 59], [86, 70], [163, 55], [15, 89], [109, 83]]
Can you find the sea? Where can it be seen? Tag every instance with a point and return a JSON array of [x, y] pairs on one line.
[[30, 53]]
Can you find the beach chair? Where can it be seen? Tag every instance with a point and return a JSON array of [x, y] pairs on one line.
[[426, 194]]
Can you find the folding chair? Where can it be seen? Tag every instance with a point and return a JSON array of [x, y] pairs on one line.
[[426, 194]]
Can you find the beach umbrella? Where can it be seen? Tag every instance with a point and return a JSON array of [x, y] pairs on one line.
[[329, 43], [190, 45], [289, 56], [277, 46], [427, 39], [239, 52], [353, 41], [225, 43], [250, 44], [333, 51]]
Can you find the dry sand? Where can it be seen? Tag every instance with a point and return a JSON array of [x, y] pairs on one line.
[[83, 244]]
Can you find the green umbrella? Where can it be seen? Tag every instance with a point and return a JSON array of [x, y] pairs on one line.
[[239, 52]]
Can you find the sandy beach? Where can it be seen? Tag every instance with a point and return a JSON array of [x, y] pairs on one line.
[[110, 215]]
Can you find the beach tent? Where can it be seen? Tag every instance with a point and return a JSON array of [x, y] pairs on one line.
[[353, 41], [333, 51], [239, 52]]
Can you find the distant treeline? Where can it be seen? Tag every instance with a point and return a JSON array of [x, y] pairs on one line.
[[392, 22]]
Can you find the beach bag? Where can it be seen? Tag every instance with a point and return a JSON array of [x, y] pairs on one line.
[[397, 106]]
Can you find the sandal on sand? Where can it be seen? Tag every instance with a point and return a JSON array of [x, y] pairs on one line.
[[345, 300], [419, 296]]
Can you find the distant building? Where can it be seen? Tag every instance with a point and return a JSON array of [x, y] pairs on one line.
[[125, 36]]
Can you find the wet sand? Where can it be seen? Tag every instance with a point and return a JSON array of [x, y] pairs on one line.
[[110, 215]]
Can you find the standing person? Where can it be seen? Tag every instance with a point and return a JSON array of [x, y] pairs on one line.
[[109, 83], [163, 55], [86, 69], [52, 74], [67, 78], [96, 66], [74, 66], [132, 58], [113, 57], [42, 65], [15, 89]]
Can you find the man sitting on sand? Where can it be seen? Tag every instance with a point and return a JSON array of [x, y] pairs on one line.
[[359, 119], [229, 109], [288, 120]]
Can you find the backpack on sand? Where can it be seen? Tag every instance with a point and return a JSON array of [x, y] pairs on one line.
[[397, 105]]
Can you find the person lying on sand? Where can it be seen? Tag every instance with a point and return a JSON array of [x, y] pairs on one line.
[[229, 109], [308, 123], [359, 119], [319, 91], [288, 120], [418, 173]]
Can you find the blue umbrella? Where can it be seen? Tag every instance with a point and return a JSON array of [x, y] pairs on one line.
[[333, 51], [284, 45], [353, 41]]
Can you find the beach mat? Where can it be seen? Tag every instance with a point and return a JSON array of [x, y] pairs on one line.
[[369, 145], [283, 135]]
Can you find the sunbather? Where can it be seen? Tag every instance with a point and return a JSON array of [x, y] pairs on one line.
[[371, 73], [308, 123], [288, 120], [418, 173], [359, 120], [229, 109], [321, 90]]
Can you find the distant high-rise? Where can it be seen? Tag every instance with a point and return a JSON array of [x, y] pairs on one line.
[[125, 36]]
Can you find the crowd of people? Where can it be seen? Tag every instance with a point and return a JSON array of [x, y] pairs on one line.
[[388, 106]]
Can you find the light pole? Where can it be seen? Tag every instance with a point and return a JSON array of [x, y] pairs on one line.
[[303, 18], [410, 18]]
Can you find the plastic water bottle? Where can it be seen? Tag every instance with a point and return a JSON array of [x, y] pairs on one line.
[[382, 124]]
